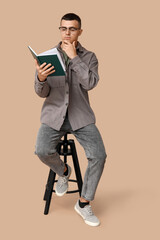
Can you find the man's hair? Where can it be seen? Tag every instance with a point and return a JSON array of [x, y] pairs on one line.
[[72, 16]]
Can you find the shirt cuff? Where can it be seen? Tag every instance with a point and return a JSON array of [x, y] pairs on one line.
[[75, 60], [78, 65]]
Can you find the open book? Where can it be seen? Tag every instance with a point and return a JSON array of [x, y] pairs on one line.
[[51, 56]]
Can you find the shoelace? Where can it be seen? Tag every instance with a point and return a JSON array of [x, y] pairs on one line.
[[89, 210], [61, 181]]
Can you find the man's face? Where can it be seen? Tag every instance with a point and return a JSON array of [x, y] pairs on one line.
[[70, 30]]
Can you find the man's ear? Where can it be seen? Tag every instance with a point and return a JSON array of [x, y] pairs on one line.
[[80, 32]]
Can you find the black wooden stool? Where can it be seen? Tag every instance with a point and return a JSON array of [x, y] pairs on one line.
[[62, 149]]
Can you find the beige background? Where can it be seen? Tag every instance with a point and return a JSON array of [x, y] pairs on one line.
[[125, 37]]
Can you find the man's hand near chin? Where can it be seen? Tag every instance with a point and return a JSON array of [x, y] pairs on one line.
[[69, 48]]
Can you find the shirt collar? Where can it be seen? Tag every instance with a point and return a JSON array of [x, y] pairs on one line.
[[78, 48]]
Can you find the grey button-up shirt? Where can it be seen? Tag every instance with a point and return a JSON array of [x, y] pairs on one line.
[[69, 91]]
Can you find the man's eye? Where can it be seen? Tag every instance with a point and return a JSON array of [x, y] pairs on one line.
[[63, 29], [72, 29]]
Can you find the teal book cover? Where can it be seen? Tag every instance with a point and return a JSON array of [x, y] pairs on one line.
[[51, 56]]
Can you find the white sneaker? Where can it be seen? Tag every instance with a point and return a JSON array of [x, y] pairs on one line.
[[62, 183], [87, 214]]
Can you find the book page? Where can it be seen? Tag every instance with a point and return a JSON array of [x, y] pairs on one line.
[[32, 52], [52, 51]]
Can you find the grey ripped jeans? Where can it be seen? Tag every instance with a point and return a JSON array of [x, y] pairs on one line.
[[90, 139]]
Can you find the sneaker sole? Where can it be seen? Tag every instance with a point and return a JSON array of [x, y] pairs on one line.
[[61, 194], [87, 222]]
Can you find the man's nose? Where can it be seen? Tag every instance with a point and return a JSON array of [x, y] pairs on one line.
[[67, 31]]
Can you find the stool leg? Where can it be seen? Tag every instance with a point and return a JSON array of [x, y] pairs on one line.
[[49, 190], [76, 165]]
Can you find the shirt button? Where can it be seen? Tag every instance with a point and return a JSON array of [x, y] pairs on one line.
[[66, 104], [64, 117], [67, 92]]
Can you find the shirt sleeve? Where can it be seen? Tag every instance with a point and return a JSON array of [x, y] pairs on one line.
[[87, 74], [41, 88]]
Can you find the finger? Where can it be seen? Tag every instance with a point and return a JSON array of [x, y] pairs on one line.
[[74, 44], [64, 49], [51, 72], [44, 68], [47, 66], [67, 42], [46, 74], [48, 70], [42, 65]]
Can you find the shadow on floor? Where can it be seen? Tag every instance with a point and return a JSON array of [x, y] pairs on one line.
[[113, 199]]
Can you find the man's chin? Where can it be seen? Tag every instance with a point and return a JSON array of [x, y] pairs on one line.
[[68, 39]]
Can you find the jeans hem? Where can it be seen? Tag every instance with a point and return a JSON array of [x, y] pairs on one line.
[[88, 199]]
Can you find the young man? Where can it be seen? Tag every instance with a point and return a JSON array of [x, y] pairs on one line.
[[67, 108]]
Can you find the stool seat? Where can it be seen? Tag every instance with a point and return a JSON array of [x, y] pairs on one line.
[[64, 150]]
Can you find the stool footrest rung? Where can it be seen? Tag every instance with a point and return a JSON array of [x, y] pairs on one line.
[[73, 191], [64, 153], [70, 180]]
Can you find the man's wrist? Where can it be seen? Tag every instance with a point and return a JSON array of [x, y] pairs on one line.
[[40, 80], [74, 56]]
